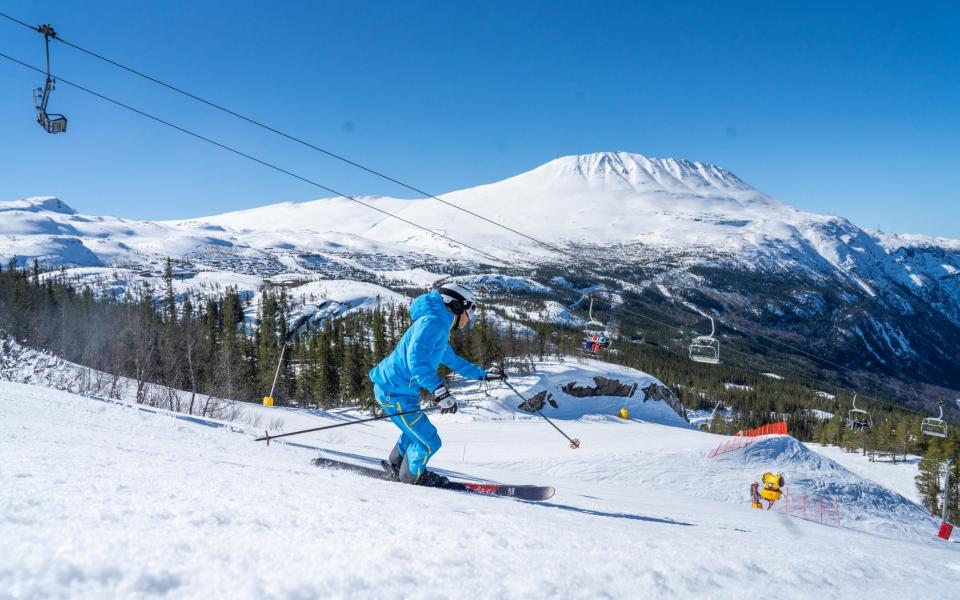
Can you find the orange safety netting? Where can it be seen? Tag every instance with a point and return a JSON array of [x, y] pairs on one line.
[[744, 438], [768, 429]]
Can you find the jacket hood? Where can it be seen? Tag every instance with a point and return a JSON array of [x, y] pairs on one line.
[[430, 304]]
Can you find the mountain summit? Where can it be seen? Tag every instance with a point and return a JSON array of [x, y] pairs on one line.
[[645, 174]]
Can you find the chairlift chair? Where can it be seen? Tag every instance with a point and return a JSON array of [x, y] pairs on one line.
[[706, 348], [597, 339], [51, 123], [934, 426], [858, 419]]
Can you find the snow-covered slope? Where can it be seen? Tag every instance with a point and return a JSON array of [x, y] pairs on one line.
[[104, 500], [897, 476]]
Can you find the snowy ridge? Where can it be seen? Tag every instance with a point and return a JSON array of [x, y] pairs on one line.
[[605, 197]]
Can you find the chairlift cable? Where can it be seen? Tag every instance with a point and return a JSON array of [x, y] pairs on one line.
[[400, 183], [788, 370], [255, 159], [413, 188], [298, 140], [820, 358], [331, 190]]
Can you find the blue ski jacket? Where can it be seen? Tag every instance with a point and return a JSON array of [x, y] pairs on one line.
[[425, 345]]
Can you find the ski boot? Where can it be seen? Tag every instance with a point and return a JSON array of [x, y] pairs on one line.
[[431, 479], [392, 465], [392, 470]]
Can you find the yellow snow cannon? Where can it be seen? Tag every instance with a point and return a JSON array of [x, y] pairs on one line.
[[624, 413], [267, 401], [771, 486]]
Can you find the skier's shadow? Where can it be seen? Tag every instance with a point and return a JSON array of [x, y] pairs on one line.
[[600, 513]]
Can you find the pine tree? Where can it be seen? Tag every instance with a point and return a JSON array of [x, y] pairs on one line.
[[929, 479]]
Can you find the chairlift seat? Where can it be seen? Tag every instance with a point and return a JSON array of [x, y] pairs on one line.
[[594, 327], [859, 420], [52, 123], [705, 349], [934, 426], [56, 124]]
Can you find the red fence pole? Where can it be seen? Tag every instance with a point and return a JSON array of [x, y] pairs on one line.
[[804, 506], [821, 509]]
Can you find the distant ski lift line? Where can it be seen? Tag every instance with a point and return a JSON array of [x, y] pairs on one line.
[[258, 160], [388, 178]]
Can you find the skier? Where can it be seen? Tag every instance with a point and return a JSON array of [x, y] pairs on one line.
[[413, 365]]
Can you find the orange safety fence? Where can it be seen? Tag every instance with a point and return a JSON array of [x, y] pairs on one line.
[[768, 429], [744, 438]]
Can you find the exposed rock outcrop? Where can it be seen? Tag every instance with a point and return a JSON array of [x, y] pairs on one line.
[[603, 387]]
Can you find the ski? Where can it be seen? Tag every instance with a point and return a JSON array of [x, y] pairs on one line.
[[533, 493]]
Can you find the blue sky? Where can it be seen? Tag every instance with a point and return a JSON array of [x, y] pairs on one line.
[[842, 108]]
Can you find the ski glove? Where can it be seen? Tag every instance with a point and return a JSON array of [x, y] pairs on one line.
[[495, 374], [446, 402]]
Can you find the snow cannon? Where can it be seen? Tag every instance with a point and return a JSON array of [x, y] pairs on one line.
[[267, 401], [772, 484], [624, 413]]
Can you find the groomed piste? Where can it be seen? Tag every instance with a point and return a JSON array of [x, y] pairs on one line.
[[102, 498]]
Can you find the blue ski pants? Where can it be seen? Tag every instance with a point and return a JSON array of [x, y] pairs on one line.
[[419, 439]]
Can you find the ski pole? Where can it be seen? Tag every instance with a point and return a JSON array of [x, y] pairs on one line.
[[574, 442], [267, 437]]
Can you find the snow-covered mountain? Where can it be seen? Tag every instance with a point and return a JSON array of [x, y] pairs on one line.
[[658, 227], [597, 199]]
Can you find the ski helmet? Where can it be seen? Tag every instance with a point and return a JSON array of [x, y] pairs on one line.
[[459, 298]]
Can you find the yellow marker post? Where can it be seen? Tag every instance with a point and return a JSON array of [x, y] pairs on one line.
[[267, 401], [624, 413]]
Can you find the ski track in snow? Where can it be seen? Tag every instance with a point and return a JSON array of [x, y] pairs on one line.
[[102, 500]]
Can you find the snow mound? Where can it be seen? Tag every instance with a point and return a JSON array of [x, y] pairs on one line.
[[560, 380], [863, 504]]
